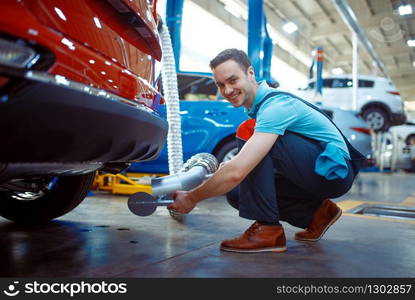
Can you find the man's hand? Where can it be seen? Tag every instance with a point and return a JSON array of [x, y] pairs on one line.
[[183, 202]]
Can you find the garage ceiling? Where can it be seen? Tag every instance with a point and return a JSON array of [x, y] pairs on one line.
[[320, 25]]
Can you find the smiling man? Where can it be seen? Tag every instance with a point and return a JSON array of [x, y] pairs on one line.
[[292, 158]]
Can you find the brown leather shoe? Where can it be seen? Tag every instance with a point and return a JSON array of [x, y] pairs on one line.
[[323, 218], [258, 238]]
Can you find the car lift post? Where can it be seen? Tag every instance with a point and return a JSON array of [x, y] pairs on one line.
[[260, 47], [174, 13], [318, 74], [268, 51]]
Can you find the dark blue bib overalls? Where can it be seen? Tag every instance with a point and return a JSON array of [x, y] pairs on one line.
[[284, 185]]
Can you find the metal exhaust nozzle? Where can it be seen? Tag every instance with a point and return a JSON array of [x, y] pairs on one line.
[[196, 170]]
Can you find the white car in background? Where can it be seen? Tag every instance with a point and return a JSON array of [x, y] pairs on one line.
[[379, 102], [405, 132], [395, 149]]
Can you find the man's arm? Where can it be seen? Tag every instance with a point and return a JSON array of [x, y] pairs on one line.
[[229, 175]]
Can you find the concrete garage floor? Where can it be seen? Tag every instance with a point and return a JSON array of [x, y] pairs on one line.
[[101, 238]]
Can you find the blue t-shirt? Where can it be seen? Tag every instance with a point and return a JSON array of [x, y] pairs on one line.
[[284, 112]]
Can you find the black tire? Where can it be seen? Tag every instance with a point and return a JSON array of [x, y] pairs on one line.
[[410, 140], [66, 194], [376, 118], [226, 151]]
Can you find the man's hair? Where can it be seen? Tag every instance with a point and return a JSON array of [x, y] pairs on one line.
[[236, 55]]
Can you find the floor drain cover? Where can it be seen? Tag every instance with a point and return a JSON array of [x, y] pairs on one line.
[[397, 212]]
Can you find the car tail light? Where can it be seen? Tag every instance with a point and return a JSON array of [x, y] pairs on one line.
[[3, 81], [14, 55], [394, 93], [362, 130]]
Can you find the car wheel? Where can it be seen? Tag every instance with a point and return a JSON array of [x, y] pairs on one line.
[[376, 118], [38, 200], [410, 140], [227, 151]]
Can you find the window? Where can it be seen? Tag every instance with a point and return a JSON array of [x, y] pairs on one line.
[[342, 83], [346, 83], [327, 83], [328, 112], [366, 83], [311, 85], [196, 87]]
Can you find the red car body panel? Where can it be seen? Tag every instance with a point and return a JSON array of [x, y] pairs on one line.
[[89, 95], [76, 96], [106, 60]]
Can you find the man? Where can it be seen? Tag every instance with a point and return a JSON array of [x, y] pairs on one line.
[[292, 158]]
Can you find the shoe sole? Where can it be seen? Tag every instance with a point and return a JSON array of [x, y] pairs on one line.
[[275, 249], [324, 231]]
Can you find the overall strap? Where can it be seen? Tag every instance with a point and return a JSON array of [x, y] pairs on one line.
[[356, 157]]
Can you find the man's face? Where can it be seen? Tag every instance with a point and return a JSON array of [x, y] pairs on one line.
[[237, 86]]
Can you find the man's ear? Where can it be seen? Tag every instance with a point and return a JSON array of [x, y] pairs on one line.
[[251, 72]]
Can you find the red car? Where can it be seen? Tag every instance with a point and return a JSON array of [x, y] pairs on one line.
[[76, 95]]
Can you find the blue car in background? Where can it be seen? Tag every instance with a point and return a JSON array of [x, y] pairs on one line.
[[209, 124]]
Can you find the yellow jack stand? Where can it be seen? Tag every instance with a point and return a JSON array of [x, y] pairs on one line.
[[128, 184]]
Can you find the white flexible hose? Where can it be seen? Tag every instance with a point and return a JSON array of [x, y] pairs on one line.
[[171, 95]]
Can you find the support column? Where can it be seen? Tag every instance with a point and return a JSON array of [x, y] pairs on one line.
[[174, 13], [255, 35], [355, 70], [319, 73]]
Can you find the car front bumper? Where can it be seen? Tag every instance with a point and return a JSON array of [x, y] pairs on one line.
[[49, 120]]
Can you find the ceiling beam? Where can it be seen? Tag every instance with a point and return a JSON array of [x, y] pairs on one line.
[[402, 74], [217, 9], [303, 13], [381, 51], [407, 89], [404, 80], [369, 7], [366, 22], [325, 11]]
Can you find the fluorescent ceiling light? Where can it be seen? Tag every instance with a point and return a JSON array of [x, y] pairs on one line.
[[97, 22], [60, 13], [287, 45], [337, 71], [68, 43], [413, 63], [290, 27], [405, 10], [411, 43], [236, 8], [233, 11]]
